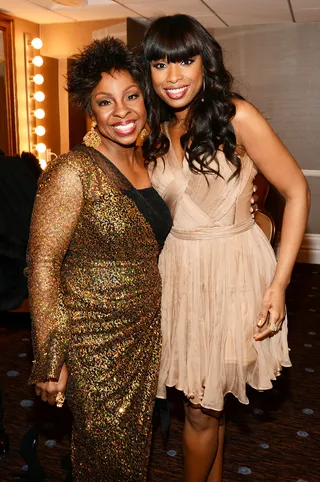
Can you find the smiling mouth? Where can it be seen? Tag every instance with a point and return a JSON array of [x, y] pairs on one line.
[[176, 93], [124, 128]]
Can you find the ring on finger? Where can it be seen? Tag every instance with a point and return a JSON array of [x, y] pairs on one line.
[[273, 328], [60, 398]]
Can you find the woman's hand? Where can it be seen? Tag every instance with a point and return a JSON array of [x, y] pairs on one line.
[[272, 313], [49, 390], [254, 201]]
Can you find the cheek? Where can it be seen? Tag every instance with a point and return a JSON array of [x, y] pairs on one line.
[[102, 120], [156, 80]]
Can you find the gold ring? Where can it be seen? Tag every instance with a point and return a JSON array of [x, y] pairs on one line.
[[273, 328], [60, 398]]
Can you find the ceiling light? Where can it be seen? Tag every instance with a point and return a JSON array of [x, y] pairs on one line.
[[72, 3]]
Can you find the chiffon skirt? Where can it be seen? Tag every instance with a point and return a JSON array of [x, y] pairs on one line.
[[211, 300]]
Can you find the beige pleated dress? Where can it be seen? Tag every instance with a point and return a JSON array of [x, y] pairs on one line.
[[216, 266]]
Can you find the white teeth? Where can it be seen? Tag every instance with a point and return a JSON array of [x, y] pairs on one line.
[[125, 127], [176, 91]]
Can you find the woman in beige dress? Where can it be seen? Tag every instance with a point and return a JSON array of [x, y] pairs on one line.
[[223, 302]]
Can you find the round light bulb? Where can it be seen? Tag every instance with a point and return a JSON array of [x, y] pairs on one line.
[[40, 131], [43, 164], [41, 147], [37, 61], [39, 113], [39, 96], [36, 43], [38, 79]]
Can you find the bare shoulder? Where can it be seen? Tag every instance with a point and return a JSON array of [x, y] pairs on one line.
[[245, 112], [249, 124]]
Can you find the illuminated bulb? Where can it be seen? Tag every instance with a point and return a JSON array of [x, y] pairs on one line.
[[38, 79], [36, 43], [41, 147], [39, 96], [43, 163], [39, 113], [37, 61], [40, 131]]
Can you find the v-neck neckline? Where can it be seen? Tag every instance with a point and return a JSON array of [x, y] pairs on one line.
[[183, 166], [115, 168]]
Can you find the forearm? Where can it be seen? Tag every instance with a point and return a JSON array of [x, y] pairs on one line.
[[293, 228], [49, 321]]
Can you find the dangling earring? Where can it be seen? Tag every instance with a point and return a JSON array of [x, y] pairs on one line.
[[92, 138], [143, 135], [203, 88]]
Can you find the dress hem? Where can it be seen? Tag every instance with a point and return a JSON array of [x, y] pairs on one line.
[[243, 402]]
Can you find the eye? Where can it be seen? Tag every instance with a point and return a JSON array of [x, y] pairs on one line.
[[133, 96], [187, 62], [104, 102], [159, 65]]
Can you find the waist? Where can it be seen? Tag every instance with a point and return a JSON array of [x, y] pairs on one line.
[[212, 232]]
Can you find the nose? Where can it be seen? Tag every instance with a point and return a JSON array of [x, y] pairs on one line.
[[174, 73], [121, 109]]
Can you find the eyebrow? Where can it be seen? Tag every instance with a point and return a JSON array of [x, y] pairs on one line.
[[111, 95]]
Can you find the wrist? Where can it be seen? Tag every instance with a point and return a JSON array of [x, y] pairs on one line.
[[280, 283]]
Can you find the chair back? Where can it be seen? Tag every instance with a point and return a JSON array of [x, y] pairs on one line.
[[265, 222]]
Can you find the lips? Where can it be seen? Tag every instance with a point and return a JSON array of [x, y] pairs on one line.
[[124, 128], [176, 92]]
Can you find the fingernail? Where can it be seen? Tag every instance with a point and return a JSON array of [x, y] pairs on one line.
[[260, 322]]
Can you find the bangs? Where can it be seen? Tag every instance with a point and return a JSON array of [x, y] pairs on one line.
[[172, 41]]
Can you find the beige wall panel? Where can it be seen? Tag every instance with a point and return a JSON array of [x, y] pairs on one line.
[[50, 105], [314, 218], [277, 68], [62, 40]]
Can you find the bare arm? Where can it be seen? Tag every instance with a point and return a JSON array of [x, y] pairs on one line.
[[280, 168]]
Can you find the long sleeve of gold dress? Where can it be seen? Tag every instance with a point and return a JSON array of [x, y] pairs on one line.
[[95, 293]]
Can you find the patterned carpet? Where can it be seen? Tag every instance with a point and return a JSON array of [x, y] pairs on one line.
[[275, 438]]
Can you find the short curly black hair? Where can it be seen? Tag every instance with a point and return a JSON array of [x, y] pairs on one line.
[[101, 56]]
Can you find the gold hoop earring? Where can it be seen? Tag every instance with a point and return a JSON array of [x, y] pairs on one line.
[[143, 135], [92, 138]]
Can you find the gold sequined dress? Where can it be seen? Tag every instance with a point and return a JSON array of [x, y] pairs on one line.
[[95, 294]]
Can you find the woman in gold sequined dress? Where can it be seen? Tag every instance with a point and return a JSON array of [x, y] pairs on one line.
[[97, 229]]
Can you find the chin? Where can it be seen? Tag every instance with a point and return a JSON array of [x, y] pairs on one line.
[[127, 141]]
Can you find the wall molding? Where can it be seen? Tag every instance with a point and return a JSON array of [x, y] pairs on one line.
[[311, 172], [309, 251]]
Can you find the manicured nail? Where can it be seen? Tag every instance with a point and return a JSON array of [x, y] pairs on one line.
[[260, 323]]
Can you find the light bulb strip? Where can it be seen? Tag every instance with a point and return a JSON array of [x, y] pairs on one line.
[[33, 60]]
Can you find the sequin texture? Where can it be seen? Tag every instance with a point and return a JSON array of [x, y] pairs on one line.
[[95, 295]]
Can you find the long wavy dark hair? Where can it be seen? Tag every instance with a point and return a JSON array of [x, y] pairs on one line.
[[177, 38]]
